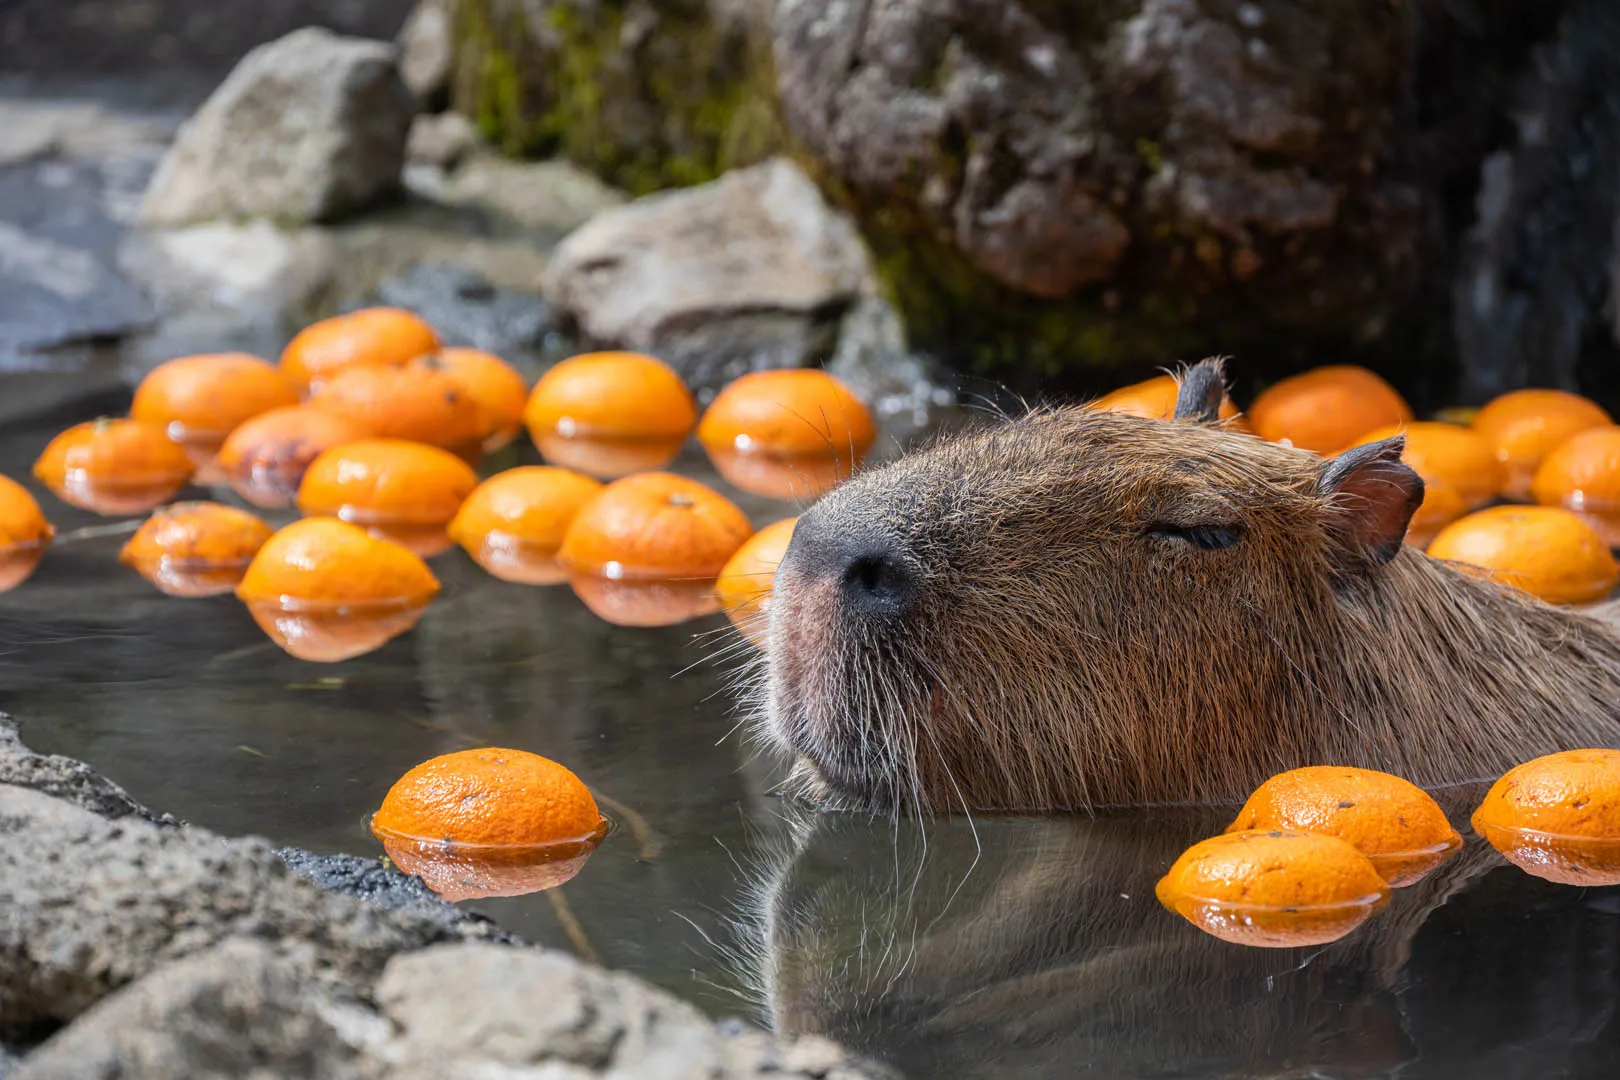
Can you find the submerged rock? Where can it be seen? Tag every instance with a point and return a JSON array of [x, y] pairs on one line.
[[306, 128], [752, 271]]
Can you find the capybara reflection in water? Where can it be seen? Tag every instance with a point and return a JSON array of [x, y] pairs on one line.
[[1080, 608]]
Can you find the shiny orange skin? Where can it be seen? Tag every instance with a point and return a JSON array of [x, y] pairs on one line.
[[1583, 474], [1390, 820], [1558, 816], [747, 581], [1545, 551], [644, 602], [375, 336], [1152, 399], [495, 386], [608, 459], [610, 395], [791, 412], [514, 522], [490, 797], [1524, 426], [199, 400], [1273, 889], [195, 549], [114, 466], [327, 563], [655, 525], [264, 460], [386, 482], [418, 402], [24, 534], [1326, 409]]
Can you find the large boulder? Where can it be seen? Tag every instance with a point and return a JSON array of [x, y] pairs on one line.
[[647, 95], [306, 128], [751, 271]]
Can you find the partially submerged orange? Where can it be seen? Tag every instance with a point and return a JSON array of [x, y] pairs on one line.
[[199, 400], [1545, 551], [1326, 409], [114, 466], [1558, 817], [615, 395], [402, 490], [264, 460], [375, 336], [1524, 426], [490, 797], [1582, 474], [1390, 820], [791, 415], [514, 522], [1273, 888], [420, 402], [495, 387], [24, 534], [748, 579], [195, 549]]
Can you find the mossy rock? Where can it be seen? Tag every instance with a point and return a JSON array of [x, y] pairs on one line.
[[645, 95]]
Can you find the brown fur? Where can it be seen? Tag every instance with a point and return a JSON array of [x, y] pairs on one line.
[[1064, 652]]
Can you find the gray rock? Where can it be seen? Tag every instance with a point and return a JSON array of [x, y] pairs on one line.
[[751, 271], [387, 888], [548, 198], [426, 52], [66, 779], [904, 390], [440, 140], [242, 1008], [467, 309], [306, 128], [89, 904], [255, 267]]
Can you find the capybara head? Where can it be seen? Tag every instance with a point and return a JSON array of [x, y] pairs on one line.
[[1077, 608]]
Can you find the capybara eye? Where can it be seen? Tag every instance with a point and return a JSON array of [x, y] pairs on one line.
[[1204, 537]]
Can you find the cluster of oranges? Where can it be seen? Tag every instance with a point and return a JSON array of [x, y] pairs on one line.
[[372, 430], [1553, 449], [1315, 851]]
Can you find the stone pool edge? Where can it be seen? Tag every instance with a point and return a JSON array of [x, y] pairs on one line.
[[133, 944]]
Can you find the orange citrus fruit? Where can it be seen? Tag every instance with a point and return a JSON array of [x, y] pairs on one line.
[[457, 872], [1558, 816], [24, 534], [490, 797], [613, 395], [264, 460], [1390, 820], [495, 386], [199, 400], [790, 412], [1326, 409], [1448, 454], [1442, 504], [748, 579], [386, 481], [1582, 474], [376, 336], [1273, 888], [1152, 399], [1545, 551], [420, 402], [655, 525], [514, 522], [114, 466], [1524, 426], [195, 549]]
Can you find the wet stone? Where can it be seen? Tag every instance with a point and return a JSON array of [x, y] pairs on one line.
[[387, 888], [468, 310]]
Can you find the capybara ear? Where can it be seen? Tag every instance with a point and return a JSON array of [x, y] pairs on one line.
[[1200, 390], [1373, 495]]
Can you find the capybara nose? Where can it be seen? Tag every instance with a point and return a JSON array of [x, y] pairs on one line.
[[867, 572], [876, 584]]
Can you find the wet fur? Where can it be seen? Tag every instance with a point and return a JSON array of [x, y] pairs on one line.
[[1068, 652]]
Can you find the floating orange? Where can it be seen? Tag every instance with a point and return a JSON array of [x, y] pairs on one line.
[[1558, 817], [376, 336], [405, 491], [747, 581], [421, 402], [647, 550], [1524, 426], [24, 534], [195, 549], [490, 797], [1326, 409], [264, 460], [1390, 820], [514, 522], [494, 385], [798, 415], [1273, 889], [1582, 474], [1153, 399], [1545, 551], [615, 395], [199, 400], [114, 466], [326, 590]]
